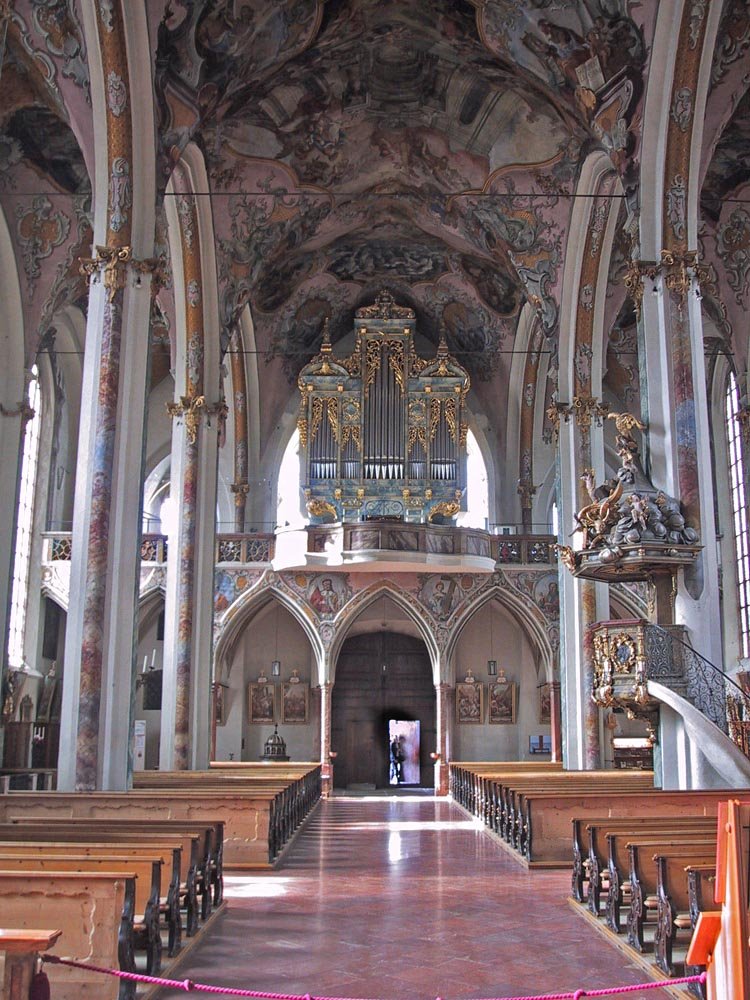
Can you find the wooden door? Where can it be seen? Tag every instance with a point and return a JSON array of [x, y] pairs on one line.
[[379, 676]]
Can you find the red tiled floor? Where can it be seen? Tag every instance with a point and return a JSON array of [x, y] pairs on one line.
[[403, 898]]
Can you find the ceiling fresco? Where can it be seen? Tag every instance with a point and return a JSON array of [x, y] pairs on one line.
[[368, 143], [433, 149]]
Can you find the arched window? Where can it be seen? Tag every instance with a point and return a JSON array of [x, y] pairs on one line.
[[288, 487], [25, 525], [739, 508], [477, 494]]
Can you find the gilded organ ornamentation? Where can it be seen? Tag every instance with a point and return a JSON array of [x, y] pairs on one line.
[[384, 423]]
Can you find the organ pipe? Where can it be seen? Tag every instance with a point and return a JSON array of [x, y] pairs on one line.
[[383, 425]]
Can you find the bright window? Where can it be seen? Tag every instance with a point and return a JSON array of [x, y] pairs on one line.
[[24, 527], [739, 509], [477, 494], [288, 506]]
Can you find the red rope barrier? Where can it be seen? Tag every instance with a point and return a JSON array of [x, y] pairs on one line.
[[189, 986]]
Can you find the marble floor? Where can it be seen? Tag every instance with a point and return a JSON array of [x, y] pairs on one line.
[[402, 898]]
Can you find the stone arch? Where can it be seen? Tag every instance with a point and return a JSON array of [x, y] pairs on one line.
[[54, 588], [244, 609], [533, 625], [365, 599]]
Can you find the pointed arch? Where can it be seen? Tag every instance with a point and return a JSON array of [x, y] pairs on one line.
[[246, 607], [365, 599], [531, 620]]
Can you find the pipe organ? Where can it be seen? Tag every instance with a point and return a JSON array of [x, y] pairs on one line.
[[383, 431]]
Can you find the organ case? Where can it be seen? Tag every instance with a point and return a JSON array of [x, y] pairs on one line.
[[383, 431]]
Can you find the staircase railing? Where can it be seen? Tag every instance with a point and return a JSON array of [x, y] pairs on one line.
[[705, 685]]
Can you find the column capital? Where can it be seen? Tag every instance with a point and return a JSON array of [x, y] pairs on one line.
[[677, 269], [192, 408], [111, 265], [585, 410]]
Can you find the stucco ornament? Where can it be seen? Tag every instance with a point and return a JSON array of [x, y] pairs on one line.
[[117, 94], [40, 229], [120, 193]]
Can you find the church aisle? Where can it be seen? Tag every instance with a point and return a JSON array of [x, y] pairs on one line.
[[403, 898]]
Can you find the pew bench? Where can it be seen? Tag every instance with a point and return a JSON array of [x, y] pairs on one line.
[[245, 814], [642, 877], [550, 815], [81, 842], [257, 823], [101, 933], [202, 846], [673, 904], [147, 873], [590, 841]]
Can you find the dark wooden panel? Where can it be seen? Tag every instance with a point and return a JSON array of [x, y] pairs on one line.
[[380, 676]]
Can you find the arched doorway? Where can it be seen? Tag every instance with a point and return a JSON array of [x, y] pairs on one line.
[[380, 676]]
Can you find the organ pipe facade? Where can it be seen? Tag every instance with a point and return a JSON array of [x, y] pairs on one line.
[[383, 431]]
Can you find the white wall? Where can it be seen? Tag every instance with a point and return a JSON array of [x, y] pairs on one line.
[[272, 635], [493, 634]]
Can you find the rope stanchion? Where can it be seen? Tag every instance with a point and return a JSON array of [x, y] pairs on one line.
[[188, 986]]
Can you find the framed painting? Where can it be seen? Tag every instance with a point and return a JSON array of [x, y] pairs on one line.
[[502, 702], [220, 704], [545, 703], [295, 699], [261, 703], [469, 702], [46, 705]]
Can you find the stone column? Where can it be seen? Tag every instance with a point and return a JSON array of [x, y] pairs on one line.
[[555, 721], [582, 603], [326, 762], [99, 688], [188, 646], [239, 487], [675, 410], [443, 719]]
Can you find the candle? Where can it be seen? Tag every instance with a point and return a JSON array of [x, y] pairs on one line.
[[145, 663], [153, 658]]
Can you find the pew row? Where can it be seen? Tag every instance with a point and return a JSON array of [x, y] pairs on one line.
[[79, 842], [258, 821], [146, 870], [95, 910]]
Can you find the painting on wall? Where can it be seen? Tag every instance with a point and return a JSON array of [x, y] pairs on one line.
[[545, 703], [440, 595], [261, 703], [220, 704], [502, 703], [327, 594], [295, 701], [469, 702]]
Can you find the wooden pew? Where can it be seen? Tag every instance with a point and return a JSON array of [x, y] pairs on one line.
[[146, 871], [593, 842], [102, 843], [203, 873], [245, 813], [259, 819], [296, 788], [674, 902], [720, 939], [701, 882], [101, 934], [550, 815], [642, 876]]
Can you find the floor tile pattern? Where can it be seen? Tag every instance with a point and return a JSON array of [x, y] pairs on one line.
[[403, 898]]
